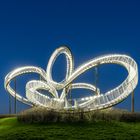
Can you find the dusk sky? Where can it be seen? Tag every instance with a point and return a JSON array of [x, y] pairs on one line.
[[31, 30]]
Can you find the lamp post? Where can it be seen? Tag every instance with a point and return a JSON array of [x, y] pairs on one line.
[[10, 104], [132, 102], [96, 78], [15, 107]]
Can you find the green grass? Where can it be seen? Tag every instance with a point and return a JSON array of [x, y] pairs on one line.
[[10, 129]]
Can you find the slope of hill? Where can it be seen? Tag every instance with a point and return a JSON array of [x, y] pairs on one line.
[[11, 129]]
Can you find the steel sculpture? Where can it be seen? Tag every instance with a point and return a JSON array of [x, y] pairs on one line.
[[94, 102]]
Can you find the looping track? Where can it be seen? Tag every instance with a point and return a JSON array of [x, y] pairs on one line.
[[94, 102]]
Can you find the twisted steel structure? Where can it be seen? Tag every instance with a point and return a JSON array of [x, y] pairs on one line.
[[96, 101]]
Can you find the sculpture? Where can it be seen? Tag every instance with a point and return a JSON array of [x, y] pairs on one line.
[[96, 101]]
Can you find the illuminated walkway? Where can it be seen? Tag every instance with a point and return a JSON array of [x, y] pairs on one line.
[[94, 102]]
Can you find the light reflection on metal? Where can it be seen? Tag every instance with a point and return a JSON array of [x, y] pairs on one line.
[[94, 102]]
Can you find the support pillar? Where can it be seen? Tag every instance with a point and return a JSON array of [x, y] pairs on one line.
[[15, 107], [10, 107], [132, 102]]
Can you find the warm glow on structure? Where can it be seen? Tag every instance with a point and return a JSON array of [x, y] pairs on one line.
[[94, 102]]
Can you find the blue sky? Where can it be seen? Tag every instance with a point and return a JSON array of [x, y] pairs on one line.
[[31, 30]]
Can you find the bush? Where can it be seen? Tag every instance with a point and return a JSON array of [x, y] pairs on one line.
[[130, 117], [38, 115], [7, 115], [43, 115]]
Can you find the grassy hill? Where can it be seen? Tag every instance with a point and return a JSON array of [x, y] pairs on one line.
[[10, 129]]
